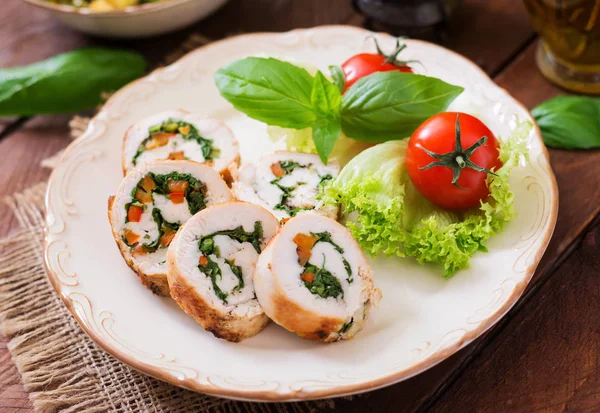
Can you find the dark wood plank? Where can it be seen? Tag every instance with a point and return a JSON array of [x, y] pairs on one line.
[[20, 157], [546, 360], [490, 32], [28, 34], [274, 16]]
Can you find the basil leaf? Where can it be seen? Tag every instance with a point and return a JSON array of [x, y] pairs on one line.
[[339, 79], [325, 134], [68, 82], [391, 105], [327, 101], [325, 98], [269, 90], [569, 122]]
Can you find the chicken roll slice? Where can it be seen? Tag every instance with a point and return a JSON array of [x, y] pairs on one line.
[[179, 135], [286, 183], [314, 280], [153, 201], [211, 262]]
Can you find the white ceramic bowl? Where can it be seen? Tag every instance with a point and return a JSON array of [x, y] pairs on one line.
[[133, 22]]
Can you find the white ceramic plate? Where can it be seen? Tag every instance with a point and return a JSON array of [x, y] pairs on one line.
[[422, 318]]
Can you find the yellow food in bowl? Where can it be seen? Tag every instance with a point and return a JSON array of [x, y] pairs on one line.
[[103, 5]]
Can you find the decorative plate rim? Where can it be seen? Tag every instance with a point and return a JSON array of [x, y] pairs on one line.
[[335, 390]]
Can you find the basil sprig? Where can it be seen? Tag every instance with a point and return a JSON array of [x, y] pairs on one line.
[[380, 107], [569, 122], [68, 82]]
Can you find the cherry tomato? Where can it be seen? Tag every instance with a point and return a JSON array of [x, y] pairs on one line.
[[365, 64], [450, 175]]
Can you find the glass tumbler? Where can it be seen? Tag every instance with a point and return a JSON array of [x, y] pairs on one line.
[[568, 52]]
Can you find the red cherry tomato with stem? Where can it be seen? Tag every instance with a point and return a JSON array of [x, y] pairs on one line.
[[365, 64], [449, 158]]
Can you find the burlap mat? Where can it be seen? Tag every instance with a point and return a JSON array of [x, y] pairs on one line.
[[60, 366]]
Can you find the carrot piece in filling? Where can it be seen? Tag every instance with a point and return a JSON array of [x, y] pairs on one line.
[[176, 156], [177, 186], [143, 196], [140, 249], [134, 213], [131, 237], [166, 238], [304, 244], [159, 139], [177, 197], [184, 130], [277, 170], [148, 183], [308, 276]]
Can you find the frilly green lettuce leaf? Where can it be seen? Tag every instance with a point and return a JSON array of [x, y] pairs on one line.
[[386, 214], [372, 184]]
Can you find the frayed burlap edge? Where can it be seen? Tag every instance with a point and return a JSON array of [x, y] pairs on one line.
[[60, 366]]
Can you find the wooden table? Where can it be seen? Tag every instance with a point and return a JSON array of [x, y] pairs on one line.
[[544, 355]]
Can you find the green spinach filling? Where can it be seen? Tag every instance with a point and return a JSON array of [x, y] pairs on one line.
[[163, 227], [324, 179], [212, 270], [284, 205], [289, 166], [324, 284], [326, 237], [208, 247], [195, 193], [237, 271], [316, 279], [186, 130]]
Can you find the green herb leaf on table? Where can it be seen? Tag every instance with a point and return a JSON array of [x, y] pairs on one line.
[[569, 122], [69, 82], [391, 105], [269, 90]]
